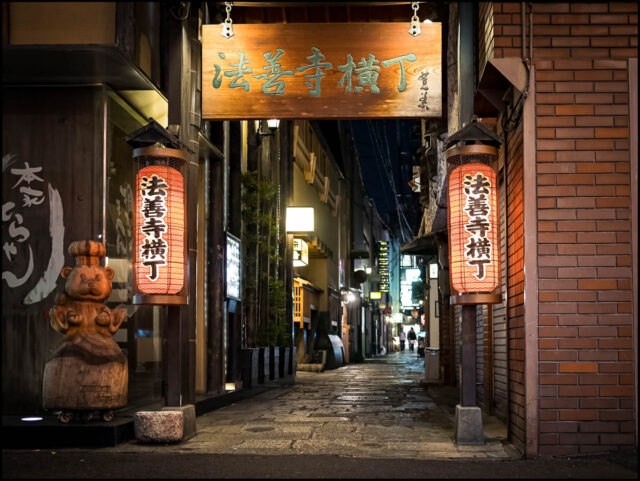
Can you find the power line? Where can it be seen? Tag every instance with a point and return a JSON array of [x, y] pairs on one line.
[[387, 165]]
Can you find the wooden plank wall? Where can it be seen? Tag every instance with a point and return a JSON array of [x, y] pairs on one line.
[[60, 130]]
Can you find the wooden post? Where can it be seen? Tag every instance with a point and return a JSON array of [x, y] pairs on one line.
[[234, 227], [468, 377], [180, 73], [286, 148], [217, 243], [174, 357]]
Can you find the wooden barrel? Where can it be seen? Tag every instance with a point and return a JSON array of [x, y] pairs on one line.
[[86, 372]]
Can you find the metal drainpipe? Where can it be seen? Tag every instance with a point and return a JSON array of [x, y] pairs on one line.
[[506, 272], [530, 34], [522, 31]]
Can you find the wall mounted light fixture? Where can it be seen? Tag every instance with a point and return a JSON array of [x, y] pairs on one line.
[[273, 125]]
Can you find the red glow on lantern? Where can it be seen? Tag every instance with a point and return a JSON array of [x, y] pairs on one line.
[[474, 237], [159, 217]]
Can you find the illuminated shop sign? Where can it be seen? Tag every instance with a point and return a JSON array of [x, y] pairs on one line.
[[300, 253], [474, 249], [433, 271], [233, 267], [383, 265]]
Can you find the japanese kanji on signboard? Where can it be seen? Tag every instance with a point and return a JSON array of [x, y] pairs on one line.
[[321, 70], [474, 249]]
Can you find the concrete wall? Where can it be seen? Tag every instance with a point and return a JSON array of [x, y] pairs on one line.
[[322, 272]]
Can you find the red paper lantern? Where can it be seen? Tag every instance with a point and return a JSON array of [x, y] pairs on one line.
[[474, 229], [159, 251]]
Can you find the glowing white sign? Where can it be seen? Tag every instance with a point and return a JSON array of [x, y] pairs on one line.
[[233, 262]]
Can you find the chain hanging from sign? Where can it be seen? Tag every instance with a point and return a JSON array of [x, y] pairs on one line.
[[414, 27], [227, 26]]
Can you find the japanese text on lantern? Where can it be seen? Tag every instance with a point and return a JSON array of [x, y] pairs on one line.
[[153, 250], [478, 250], [473, 228], [160, 230]]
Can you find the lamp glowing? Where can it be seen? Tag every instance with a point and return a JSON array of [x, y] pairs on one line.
[[300, 219], [273, 124], [474, 245], [159, 233]]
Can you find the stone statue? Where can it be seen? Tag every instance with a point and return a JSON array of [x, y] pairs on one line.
[[87, 376]]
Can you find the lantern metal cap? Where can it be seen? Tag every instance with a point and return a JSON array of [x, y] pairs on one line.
[[474, 132], [151, 134], [159, 152]]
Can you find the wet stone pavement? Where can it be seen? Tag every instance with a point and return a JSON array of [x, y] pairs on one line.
[[377, 409]]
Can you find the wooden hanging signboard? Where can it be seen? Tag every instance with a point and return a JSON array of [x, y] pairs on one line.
[[321, 70]]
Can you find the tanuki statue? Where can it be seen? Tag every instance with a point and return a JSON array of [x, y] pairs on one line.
[[86, 377]]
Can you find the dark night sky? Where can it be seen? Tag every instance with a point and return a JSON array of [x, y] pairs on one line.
[[386, 148]]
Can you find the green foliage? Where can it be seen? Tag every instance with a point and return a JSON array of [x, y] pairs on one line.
[[277, 332], [260, 239]]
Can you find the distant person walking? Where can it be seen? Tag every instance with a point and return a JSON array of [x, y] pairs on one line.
[[403, 338], [412, 339]]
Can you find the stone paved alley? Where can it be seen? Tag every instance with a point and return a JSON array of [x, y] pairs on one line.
[[371, 420], [377, 409]]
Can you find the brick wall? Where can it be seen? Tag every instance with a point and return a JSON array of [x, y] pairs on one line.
[[515, 286], [585, 376]]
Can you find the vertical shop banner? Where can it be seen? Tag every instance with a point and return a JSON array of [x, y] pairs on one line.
[[474, 229], [233, 269], [321, 70], [383, 265]]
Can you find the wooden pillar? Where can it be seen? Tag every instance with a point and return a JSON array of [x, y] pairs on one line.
[[181, 73], [286, 152], [216, 244], [234, 222], [174, 357], [468, 377]]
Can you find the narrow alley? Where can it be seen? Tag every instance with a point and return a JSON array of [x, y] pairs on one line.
[[376, 409], [362, 421], [320, 239]]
